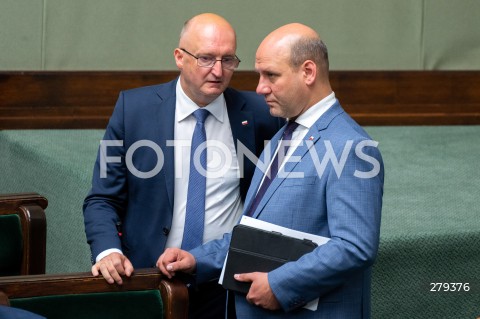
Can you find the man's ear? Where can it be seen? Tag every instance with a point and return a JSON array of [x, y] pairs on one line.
[[178, 54], [309, 69]]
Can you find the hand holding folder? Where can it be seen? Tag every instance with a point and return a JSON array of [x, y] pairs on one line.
[[260, 246], [253, 249]]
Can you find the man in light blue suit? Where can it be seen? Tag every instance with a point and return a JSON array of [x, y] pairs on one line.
[[330, 184]]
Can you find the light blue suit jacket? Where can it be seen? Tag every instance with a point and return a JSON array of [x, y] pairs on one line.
[[341, 200]]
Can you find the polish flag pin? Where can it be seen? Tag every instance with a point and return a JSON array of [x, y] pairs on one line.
[[311, 138], [244, 123]]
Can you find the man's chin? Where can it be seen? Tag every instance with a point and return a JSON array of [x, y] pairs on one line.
[[215, 90], [274, 111]]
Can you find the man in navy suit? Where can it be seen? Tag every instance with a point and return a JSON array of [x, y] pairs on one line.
[[330, 184], [136, 206]]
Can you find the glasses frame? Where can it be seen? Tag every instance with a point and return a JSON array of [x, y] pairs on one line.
[[214, 61]]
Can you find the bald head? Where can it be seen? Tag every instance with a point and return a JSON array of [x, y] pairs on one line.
[[299, 43], [289, 33], [205, 24], [293, 66], [205, 37]]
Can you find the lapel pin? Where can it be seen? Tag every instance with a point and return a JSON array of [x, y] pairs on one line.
[[244, 123], [311, 138]]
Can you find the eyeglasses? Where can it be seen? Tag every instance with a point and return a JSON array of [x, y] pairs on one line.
[[206, 61]]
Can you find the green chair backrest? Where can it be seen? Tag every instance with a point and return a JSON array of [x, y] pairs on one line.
[[11, 245]]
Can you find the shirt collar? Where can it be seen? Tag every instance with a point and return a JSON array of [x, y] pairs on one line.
[[311, 115], [185, 106]]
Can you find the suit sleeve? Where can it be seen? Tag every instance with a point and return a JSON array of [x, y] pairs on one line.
[[210, 258], [107, 199]]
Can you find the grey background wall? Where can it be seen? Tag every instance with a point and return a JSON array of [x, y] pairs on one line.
[[141, 34]]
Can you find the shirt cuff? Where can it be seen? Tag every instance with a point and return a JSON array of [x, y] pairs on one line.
[[106, 253]]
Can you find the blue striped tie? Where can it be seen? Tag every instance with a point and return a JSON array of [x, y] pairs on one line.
[[287, 135], [195, 212]]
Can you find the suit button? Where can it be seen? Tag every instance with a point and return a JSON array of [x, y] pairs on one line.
[[166, 231]]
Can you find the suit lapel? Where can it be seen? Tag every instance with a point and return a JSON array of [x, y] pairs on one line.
[[243, 126], [258, 175], [311, 138], [165, 122], [242, 122]]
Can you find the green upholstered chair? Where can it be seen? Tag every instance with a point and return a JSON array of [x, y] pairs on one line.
[[146, 294], [23, 234]]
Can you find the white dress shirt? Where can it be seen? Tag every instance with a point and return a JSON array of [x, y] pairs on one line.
[[223, 204]]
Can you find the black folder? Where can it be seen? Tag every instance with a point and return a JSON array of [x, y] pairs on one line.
[[252, 249]]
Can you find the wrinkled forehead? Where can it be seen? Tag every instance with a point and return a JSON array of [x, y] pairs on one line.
[[210, 37]]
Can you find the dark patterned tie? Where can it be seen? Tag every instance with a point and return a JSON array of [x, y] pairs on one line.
[[195, 211], [287, 135]]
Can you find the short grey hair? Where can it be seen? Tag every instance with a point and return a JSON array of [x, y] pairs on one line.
[[185, 27], [307, 48]]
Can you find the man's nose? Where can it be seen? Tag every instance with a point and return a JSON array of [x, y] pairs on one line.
[[262, 89], [217, 69]]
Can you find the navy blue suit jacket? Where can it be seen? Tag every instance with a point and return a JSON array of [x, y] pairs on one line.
[[144, 206]]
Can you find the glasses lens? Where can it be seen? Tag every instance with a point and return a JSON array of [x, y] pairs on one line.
[[205, 61], [230, 63]]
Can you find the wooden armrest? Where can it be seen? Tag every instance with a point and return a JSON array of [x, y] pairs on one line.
[[173, 292], [30, 208], [9, 202], [175, 296]]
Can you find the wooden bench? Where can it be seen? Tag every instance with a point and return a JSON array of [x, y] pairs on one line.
[[83, 100], [146, 294], [23, 234]]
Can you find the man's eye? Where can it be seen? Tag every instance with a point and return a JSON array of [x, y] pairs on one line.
[[205, 59], [228, 59]]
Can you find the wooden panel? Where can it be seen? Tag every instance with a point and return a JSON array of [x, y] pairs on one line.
[[410, 97], [35, 100], [31, 100]]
